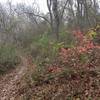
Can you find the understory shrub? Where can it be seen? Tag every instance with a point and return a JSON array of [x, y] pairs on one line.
[[85, 56], [8, 58], [44, 49]]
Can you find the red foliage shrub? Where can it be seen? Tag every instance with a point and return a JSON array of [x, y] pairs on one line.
[[85, 55]]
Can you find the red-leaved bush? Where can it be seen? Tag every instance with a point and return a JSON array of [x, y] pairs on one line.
[[85, 55]]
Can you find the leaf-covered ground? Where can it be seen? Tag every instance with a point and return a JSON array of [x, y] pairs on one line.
[[13, 81], [83, 86]]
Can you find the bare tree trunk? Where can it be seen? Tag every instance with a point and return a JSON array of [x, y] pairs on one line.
[[56, 18]]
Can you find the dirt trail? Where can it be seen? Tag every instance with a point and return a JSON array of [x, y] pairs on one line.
[[10, 83]]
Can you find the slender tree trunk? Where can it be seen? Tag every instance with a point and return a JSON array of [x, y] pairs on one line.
[[56, 18]]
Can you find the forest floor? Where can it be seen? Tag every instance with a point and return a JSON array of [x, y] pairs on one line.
[[12, 82]]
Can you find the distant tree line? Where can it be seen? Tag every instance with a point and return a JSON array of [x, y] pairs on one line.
[[19, 20]]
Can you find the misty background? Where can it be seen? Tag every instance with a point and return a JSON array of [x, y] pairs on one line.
[[23, 20]]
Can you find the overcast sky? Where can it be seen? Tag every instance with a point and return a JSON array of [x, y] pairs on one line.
[[42, 3]]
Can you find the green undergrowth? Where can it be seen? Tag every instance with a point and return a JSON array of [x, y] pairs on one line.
[[8, 58]]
